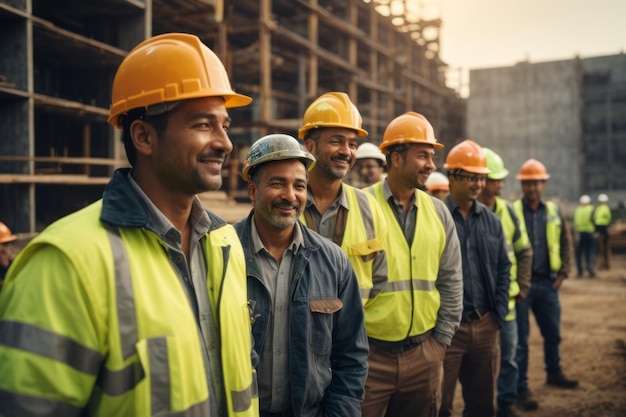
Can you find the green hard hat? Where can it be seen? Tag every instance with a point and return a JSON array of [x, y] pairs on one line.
[[275, 147], [495, 165]]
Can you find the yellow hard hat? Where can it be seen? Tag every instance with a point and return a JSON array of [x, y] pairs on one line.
[[332, 110], [167, 68]]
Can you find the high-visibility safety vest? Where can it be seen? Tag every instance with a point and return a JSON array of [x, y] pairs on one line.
[[583, 219], [553, 231], [364, 236], [602, 215], [129, 344], [516, 240], [409, 303]]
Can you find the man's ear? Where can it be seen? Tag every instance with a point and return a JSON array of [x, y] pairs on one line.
[[396, 158], [143, 136], [252, 191], [309, 144]]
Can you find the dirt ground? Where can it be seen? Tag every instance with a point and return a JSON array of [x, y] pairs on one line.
[[593, 349]]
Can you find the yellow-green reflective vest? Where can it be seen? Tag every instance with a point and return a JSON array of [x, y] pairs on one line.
[[583, 219], [363, 238], [602, 215], [134, 341], [516, 240], [409, 303], [553, 231]]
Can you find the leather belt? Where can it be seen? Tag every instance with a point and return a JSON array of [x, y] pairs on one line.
[[402, 345]]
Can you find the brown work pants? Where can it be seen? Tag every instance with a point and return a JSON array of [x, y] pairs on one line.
[[604, 249], [474, 359], [404, 384]]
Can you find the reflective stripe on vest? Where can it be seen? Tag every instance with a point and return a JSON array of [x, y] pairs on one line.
[[511, 234], [553, 231], [410, 301], [359, 241], [119, 382]]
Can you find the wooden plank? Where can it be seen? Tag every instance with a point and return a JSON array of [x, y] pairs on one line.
[[52, 179], [66, 160]]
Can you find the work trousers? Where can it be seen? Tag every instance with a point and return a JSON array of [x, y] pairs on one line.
[[586, 249], [406, 383], [543, 300], [507, 380], [474, 359]]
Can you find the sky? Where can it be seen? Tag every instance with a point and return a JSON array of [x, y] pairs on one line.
[[497, 33]]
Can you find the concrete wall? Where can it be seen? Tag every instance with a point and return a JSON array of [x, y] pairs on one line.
[[530, 111]]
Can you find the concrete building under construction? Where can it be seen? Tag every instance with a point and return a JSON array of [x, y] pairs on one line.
[[58, 59], [569, 114]]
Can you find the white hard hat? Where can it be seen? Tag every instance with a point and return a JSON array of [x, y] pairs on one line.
[[584, 199], [437, 181], [603, 198], [369, 150]]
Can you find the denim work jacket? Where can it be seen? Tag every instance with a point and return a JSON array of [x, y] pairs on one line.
[[327, 341]]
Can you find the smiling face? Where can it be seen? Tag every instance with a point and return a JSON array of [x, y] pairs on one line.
[[188, 154], [414, 166], [334, 150], [466, 186], [278, 193]]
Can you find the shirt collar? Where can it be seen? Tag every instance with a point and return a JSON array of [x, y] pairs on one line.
[[342, 199], [388, 194], [200, 221], [296, 243]]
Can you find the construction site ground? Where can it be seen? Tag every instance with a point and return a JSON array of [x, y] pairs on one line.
[[593, 349]]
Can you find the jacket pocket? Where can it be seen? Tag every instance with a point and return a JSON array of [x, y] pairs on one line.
[[366, 250], [322, 312]]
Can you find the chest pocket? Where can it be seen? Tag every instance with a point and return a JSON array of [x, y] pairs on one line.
[[365, 250], [322, 323]]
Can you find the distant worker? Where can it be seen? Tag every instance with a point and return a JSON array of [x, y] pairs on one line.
[[438, 185], [473, 358], [370, 165], [137, 305], [521, 256], [585, 243], [414, 318], [602, 219], [6, 251], [551, 263], [308, 316]]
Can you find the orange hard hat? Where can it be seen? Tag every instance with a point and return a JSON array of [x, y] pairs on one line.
[[409, 128], [332, 110], [467, 156], [533, 170], [169, 68], [5, 234]]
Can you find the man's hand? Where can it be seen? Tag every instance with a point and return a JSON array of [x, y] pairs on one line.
[[558, 281]]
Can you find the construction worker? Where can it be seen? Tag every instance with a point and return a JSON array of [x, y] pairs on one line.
[[438, 185], [348, 216], [473, 357], [142, 294], [308, 329], [413, 319], [370, 165], [602, 220], [521, 256], [6, 250], [549, 238], [585, 244]]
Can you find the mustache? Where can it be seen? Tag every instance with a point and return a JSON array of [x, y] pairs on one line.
[[341, 158], [286, 204]]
